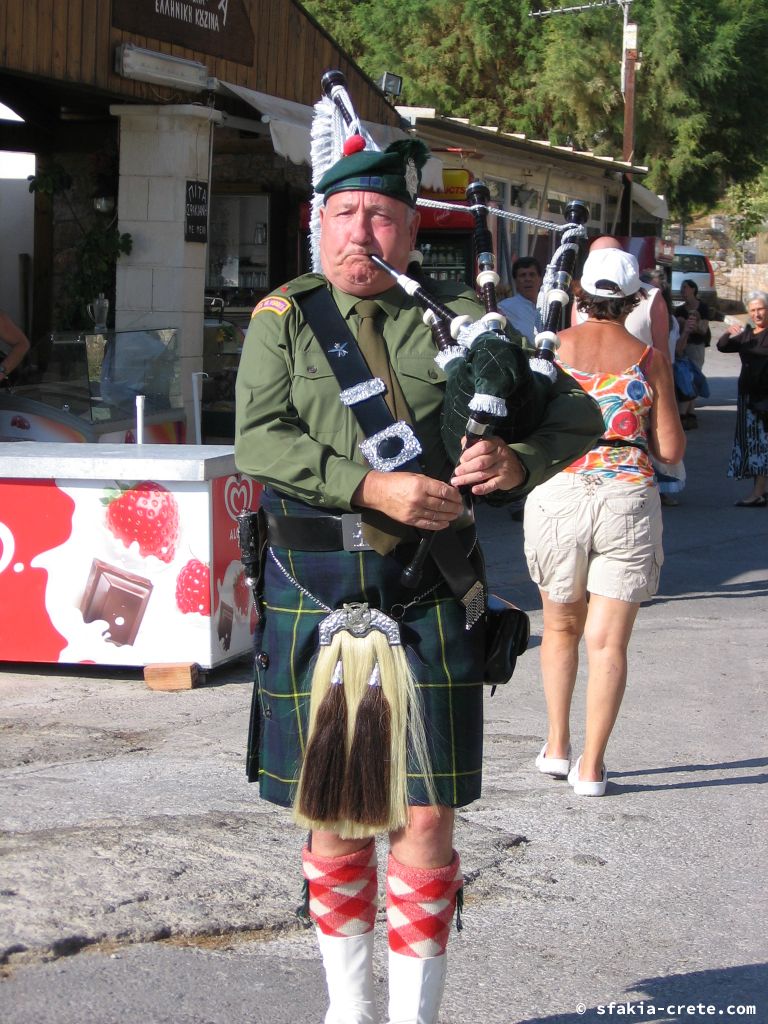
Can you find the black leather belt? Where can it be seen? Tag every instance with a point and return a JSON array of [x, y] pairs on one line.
[[317, 533], [323, 533], [619, 442]]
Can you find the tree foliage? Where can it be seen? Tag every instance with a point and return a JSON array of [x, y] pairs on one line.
[[746, 205], [92, 257], [701, 90]]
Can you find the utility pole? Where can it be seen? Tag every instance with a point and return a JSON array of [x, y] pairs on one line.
[[629, 60]]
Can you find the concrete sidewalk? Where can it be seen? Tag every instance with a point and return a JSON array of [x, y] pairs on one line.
[[143, 880]]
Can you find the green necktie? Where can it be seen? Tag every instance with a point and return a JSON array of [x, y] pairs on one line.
[[381, 533], [374, 348]]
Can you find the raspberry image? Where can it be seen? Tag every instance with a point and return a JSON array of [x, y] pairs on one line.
[[241, 594], [193, 588], [146, 513]]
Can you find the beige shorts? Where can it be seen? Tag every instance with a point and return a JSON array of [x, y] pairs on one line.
[[596, 535]]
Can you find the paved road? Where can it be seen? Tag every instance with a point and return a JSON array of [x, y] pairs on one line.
[[143, 881]]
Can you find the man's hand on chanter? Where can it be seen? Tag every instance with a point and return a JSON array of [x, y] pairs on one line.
[[489, 465], [410, 498]]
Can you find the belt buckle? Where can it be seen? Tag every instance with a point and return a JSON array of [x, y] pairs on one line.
[[352, 532]]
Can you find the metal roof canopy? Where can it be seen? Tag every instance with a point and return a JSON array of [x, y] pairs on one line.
[[290, 125], [425, 117]]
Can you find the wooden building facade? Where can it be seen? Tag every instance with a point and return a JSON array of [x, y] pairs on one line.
[[133, 109], [271, 46]]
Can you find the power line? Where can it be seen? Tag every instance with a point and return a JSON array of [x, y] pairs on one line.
[[571, 10]]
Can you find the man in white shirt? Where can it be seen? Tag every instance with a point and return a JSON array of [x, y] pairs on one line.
[[520, 310]]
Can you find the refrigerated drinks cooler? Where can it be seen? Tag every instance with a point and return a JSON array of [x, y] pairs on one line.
[[447, 256], [445, 236]]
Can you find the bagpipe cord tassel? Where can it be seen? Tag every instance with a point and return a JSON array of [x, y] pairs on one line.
[[324, 768]]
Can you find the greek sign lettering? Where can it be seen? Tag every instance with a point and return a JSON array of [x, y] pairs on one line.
[[221, 28], [196, 212]]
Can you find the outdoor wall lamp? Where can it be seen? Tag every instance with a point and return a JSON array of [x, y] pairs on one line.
[[104, 204], [160, 68]]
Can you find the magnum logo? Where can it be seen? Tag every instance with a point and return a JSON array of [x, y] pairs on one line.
[[221, 28]]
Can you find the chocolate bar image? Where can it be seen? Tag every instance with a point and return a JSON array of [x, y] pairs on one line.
[[224, 629], [119, 598]]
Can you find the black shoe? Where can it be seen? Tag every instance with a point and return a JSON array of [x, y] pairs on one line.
[[759, 502]]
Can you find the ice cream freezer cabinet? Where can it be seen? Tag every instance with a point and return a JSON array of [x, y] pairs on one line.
[[124, 555]]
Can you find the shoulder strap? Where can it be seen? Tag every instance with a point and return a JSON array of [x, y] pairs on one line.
[[646, 359], [359, 390]]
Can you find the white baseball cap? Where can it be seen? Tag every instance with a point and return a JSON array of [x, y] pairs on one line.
[[610, 274]]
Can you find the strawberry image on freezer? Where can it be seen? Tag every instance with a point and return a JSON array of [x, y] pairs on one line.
[[193, 588], [144, 513], [241, 593]]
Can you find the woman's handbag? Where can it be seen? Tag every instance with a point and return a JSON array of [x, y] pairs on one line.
[[685, 388], [507, 632], [690, 382]]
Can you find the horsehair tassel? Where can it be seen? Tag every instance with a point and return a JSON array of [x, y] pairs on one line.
[[366, 789], [359, 655], [407, 732], [409, 738], [325, 760]]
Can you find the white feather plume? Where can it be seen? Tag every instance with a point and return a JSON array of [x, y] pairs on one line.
[[328, 134]]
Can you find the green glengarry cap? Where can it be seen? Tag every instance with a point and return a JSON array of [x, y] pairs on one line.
[[394, 171]]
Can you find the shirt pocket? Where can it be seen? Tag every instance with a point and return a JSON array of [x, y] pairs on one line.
[[423, 383], [315, 397]]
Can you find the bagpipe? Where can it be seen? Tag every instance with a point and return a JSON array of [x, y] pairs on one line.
[[492, 384]]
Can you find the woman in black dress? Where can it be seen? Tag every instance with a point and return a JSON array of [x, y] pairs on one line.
[[749, 459]]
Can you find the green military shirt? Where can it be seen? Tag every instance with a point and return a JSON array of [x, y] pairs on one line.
[[293, 432]]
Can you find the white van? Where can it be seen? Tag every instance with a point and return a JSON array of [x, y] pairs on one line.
[[691, 264]]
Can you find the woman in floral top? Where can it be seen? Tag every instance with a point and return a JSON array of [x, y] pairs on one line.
[[593, 533]]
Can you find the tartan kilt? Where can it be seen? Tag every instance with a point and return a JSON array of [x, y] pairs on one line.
[[447, 662]]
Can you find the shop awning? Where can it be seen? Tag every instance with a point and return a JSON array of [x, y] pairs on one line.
[[649, 201], [290, 124]]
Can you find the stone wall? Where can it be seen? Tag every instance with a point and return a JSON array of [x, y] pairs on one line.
[[735, 283]]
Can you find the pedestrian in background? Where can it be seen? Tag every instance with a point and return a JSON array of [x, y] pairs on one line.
[[644, 322], [593, 532], [693, 316], [749, 458], [520, 310]]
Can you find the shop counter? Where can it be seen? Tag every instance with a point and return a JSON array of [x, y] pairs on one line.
[[122, 555]]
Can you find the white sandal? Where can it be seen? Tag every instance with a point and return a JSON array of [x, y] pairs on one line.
[[557, 767], [587, 787]]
